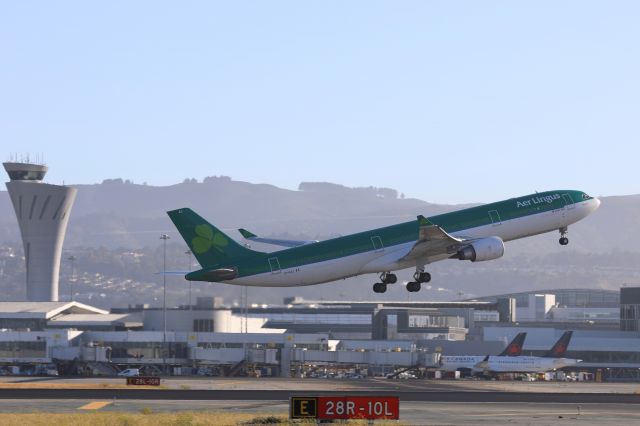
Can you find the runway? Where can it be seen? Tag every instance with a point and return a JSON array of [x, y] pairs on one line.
[[463, 403], [284, 395], [411, 413]]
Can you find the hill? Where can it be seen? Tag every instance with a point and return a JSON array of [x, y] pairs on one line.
[[118, 216]]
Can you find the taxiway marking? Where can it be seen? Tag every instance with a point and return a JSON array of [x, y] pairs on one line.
[[95, 405]]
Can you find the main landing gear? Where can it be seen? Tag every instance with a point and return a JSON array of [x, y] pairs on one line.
[[563, 239], [420, 277], [413, 286], [386, 278]]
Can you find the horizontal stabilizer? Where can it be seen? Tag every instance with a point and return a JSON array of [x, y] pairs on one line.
[[274, 241], [247, 234]]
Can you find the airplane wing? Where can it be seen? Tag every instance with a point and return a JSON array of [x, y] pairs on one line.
[[433, 241], [284, 243]]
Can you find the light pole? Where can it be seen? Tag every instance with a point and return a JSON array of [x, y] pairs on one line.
[[164, 238], [188, 253], [72, 259]]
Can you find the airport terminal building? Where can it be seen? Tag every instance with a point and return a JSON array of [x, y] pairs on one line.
[[379, 338]]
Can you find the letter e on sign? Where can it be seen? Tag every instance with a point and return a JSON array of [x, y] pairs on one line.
[[303, 407]]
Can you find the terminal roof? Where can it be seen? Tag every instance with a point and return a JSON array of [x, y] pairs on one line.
[[45, 310]]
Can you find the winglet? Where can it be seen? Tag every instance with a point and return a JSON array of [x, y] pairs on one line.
[[423, 221], [246, 233]]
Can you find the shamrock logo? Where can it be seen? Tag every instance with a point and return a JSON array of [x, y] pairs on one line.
[[206, 238]]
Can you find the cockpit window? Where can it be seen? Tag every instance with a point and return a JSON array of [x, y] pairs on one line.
[[585, 196]]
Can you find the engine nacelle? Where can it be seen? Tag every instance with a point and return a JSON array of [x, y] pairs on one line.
[[483, 249]]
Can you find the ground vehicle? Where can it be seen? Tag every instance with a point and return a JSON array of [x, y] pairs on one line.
[[129, 372]]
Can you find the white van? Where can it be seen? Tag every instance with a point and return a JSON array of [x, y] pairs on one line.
[[129, 372]]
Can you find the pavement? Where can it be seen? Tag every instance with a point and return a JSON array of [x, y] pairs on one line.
[[442, 402], [370, 384], [284, 395], [411, 413]]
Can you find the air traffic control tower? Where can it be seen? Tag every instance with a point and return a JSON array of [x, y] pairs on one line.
[[43, 212]]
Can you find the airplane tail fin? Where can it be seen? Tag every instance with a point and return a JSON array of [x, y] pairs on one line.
[[559, 350], [515, 347], [209, 245]]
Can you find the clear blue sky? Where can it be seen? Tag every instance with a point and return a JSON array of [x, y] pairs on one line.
[[447, 101]]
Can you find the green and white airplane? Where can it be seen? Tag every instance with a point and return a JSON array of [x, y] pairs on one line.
[[475, 234]]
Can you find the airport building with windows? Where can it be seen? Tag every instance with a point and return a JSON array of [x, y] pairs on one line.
[[282, 340], [574, 306]]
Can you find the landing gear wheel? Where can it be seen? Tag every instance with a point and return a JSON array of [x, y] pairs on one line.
[[563, 236], [379, 287], [413, 286], [424, 277], [388, 278]]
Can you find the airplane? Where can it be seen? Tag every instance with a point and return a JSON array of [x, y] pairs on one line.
[[468, 362], [552, 360], [474, 234]]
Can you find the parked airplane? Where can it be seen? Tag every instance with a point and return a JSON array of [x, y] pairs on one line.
[[468, 362], [552, 360], [474, 234]]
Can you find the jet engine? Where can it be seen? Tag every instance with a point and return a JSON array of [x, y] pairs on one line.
[[488, 248]]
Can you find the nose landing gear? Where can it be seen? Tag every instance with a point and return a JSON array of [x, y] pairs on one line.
[[563, 239]]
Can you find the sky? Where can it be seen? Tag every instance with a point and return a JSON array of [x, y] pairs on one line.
[[446, 101]]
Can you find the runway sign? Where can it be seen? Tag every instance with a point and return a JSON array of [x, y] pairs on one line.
[[303, 407], [345, 407], [143, 381]]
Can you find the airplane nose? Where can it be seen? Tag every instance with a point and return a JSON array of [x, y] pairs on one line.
[[595, 204]]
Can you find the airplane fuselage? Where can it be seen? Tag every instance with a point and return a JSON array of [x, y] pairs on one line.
[[385, 249], [505, 364], [527, 364], [380, 249]]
